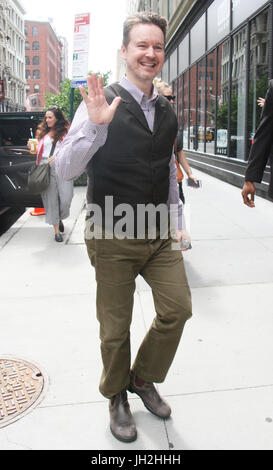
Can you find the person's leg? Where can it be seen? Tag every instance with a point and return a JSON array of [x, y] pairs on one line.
[[181, 192], [50, 199], [65, 191], [166, 275], [117, 264]]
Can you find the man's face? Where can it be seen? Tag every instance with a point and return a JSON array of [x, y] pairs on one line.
[[144, 54]]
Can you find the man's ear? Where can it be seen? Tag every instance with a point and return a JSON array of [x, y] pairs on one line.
[[123, 52]]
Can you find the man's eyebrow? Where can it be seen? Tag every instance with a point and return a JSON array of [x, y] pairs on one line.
[[144, 41]]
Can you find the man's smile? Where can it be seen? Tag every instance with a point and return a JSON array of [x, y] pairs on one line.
[[147, 64]]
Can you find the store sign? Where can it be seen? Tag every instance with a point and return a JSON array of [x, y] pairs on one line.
[[2, 90], [80, 50], [222, 138]]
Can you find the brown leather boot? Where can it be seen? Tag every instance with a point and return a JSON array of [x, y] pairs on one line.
[[150, 396], [122, 423]]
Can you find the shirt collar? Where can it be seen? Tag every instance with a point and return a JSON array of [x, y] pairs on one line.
[[136, 93]]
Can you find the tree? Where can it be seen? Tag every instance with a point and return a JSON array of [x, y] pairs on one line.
[[62, 100]]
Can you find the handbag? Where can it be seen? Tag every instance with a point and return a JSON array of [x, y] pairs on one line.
[[39, 176], [179, 174]]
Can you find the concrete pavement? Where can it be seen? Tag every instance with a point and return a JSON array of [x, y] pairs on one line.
[[220, 386]]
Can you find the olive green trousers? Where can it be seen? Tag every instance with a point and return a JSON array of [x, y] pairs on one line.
[[117, 264]]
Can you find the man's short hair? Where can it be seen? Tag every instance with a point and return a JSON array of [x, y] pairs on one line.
[[145, 17]]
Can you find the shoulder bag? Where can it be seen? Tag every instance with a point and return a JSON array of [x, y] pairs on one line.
[[39, 176]]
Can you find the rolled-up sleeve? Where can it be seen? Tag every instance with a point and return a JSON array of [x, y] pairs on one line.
[[81, 143]]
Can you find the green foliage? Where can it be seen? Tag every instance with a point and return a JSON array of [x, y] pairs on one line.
[[62, 100]]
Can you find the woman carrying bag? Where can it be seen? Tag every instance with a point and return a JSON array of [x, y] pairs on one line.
[[58, 195]]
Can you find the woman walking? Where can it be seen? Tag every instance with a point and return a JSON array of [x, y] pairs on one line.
[[165, 90], [58, 196]]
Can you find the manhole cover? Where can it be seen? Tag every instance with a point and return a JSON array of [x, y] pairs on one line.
[[22, 387]]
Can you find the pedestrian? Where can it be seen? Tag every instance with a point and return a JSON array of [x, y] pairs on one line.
[[58, 196], [260, 152], [124, 135], [165, 90]]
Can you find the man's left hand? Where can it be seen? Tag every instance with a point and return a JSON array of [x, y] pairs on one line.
[[183, 235]]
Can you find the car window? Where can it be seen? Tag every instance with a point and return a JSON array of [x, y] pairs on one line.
[[16, 130]]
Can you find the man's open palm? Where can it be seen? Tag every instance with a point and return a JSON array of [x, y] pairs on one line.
[[99, 111]]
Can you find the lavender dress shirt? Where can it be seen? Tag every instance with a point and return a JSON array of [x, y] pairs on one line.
[[85, 138]]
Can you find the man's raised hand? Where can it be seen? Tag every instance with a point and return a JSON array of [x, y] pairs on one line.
[[99, 111]]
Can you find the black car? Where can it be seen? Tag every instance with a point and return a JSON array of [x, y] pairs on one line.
[[16, 160]]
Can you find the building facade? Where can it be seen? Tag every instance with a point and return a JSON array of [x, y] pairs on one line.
[[43, 59], [64, 58], [218, 61], [12, 56]]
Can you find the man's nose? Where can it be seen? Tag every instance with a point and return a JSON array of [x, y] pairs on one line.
[[150, 52]]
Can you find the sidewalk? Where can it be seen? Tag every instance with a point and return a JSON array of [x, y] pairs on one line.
[[220, 386]]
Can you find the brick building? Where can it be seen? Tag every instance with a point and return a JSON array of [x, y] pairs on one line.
[[43, 52]]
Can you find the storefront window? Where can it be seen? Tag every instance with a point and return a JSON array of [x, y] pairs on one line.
[[238, 94], [183, 54], [185, 114], [211, 101], [218, 21], [173, 65], [165, 72], [259, 69], [201, 122], [174, 89], [179, 95], [242, 9], [216, 104], [222, 99], [198, 39], [192, 111]]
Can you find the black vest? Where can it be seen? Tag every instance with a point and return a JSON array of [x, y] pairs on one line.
[[133, 165]]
